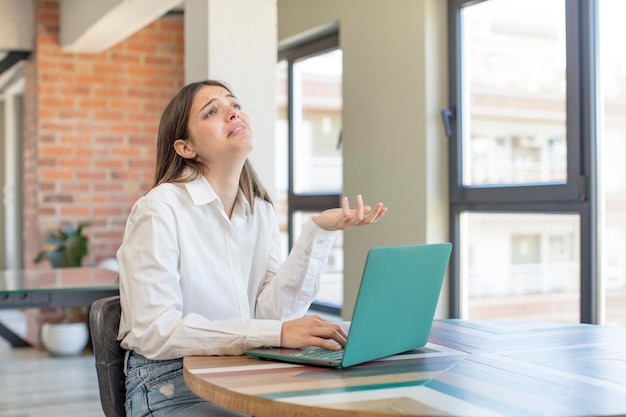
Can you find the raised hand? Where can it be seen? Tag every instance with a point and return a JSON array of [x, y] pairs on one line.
[[345, 218]]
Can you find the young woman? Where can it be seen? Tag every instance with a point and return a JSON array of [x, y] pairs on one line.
[[201, 268]]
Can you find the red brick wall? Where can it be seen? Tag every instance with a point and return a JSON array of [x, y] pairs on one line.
[[90, 129]]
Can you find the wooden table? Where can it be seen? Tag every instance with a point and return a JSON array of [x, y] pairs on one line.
[[468, 368], [61, 287]]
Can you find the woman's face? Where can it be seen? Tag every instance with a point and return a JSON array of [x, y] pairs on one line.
[[219, 132]]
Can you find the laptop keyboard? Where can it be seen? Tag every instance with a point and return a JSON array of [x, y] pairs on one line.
[[326, 354]]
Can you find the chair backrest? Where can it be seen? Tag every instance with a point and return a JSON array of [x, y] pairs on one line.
[[104, 322]]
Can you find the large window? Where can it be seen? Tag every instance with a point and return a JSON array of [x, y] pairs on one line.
[[522, 167], [309, 162], [538, 188]]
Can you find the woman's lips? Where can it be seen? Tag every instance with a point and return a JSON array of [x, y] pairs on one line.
[[237, 129]]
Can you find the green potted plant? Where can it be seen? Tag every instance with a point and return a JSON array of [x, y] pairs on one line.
[[70, 246]]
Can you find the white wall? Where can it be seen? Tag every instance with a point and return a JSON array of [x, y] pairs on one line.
[[235, 42], [394, 87]]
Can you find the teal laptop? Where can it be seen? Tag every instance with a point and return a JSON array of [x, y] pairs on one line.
[[394, 309]]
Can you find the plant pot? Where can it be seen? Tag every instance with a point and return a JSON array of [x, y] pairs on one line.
[[64, 339]]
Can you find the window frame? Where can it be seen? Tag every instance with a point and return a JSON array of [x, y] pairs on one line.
[[578, 195]]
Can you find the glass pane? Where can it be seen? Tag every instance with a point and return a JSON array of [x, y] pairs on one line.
[[331, 290], [514, 109], [612, 154], [280, 152], [520, 266], [317, 103]]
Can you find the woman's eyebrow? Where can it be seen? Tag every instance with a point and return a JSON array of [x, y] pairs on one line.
[[208, 103], [214, 99]]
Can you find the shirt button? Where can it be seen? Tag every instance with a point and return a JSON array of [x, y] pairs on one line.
[[244, 308]]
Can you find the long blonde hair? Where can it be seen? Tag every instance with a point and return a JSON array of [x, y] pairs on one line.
[[171, 167]]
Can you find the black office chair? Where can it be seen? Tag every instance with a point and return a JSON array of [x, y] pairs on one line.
[[104, 322]]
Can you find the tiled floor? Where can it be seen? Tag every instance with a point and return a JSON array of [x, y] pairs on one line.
[[32, 383]]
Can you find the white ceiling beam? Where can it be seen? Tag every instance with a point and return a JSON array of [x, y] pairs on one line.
[[93, 26], [16, 25]]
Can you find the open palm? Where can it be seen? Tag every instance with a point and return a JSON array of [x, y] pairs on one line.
[[345, 218]]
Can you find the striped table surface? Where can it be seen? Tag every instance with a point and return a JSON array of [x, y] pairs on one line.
[[468, 368]]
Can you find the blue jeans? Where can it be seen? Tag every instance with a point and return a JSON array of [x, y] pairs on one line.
[[155, 388]]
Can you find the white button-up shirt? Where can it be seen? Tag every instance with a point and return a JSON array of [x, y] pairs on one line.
[[194, 282]]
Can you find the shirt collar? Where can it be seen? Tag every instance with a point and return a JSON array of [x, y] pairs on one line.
[[202, 193]]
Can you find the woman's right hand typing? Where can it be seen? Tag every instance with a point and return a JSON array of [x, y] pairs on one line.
[[312, 331]]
